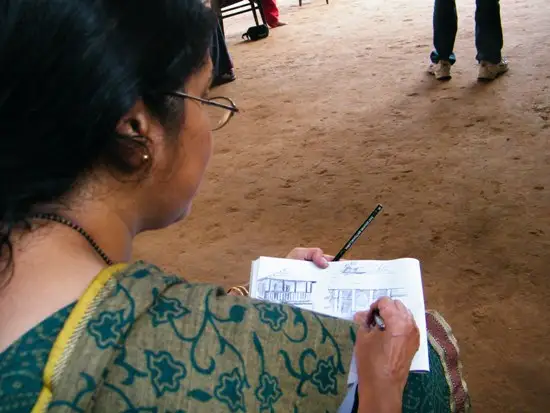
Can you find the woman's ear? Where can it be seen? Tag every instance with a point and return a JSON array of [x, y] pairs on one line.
[[138, 126], [137, 122]]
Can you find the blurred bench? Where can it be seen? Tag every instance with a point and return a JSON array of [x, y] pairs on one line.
[[300, 2], [229, 8]]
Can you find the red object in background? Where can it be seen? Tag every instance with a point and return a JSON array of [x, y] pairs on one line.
[[271, 12]]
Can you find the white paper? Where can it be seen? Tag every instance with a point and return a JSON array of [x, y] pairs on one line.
[[343, 289], [349, 400]]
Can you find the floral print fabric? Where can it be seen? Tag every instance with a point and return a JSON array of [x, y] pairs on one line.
[[22, 364], [155, 343]]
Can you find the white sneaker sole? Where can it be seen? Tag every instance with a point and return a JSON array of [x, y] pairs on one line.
[[439, 76], [487, 77]]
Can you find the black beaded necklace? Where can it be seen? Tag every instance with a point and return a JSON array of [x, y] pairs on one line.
[[67, 222]]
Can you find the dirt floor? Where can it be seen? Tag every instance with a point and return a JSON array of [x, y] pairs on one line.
[[337, 115]]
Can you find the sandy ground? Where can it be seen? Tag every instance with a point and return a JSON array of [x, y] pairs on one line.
[[338, 114]]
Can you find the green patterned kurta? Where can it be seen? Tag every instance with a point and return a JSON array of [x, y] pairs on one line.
[[151, 342]]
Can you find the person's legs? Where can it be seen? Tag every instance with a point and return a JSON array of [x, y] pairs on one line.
[[489, 40], [271, 12], [445, 24], [223, 66], [488, 31], [444, 32]]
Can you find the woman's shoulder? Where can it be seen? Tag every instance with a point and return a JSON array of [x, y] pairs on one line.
[[149, 284], [162, 341], [170, 298], [158, 289]]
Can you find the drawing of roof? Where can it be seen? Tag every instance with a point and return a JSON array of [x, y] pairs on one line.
[[284, 275]]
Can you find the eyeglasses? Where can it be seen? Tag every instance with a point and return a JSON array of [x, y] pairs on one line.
[[220, 109]]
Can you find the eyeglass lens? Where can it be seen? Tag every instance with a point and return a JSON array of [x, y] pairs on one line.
[[219, 116]]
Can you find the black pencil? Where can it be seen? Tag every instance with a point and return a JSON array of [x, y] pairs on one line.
[[376, 318], [358, 233]]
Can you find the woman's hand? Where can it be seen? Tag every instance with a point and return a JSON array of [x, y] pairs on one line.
[[304, 254], [384, 357], [315, 255]]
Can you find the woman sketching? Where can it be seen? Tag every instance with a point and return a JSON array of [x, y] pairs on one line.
[[105, 132]]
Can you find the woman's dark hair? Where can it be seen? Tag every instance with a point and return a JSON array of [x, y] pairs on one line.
[[69, 71]]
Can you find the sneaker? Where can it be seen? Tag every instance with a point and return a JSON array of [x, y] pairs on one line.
[[490, 71], [441, 70], [223, 79]]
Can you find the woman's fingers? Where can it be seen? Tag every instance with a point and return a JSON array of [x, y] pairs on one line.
[[383, 304], [310, 254], [314, 255], [318, 258], [394, 313], [400, 306]]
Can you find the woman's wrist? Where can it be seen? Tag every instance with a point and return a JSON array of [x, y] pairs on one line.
[[380, 406], [385, 401]]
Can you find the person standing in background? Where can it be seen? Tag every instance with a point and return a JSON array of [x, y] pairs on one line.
[[488, 35], [221, 60], [222, 64], [271, 12]]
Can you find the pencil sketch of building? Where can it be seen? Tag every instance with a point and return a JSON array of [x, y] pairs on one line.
[[295, 292], [346, 302], [352, 268]]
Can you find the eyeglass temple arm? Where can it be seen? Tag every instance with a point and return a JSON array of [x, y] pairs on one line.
[[219, 105], [206, 101]]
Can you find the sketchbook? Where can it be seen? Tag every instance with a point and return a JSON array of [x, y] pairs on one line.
[[342, 289]]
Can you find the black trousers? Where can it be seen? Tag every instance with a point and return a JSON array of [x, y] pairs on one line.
[[220, 55], [489, 39]]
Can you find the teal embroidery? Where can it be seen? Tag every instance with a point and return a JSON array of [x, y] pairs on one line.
[[166, 373], [130, 407], [173, 280], [298, 320], [106, 328], [212, 320], [328, 337], [324, 377], [268, 392], [199, 395], [237, 313], [131, 371], [166, 309], [272, 314], [22, 364], [89, 388], [352, 335], [300, 372], [230, 390], [142, 273]]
